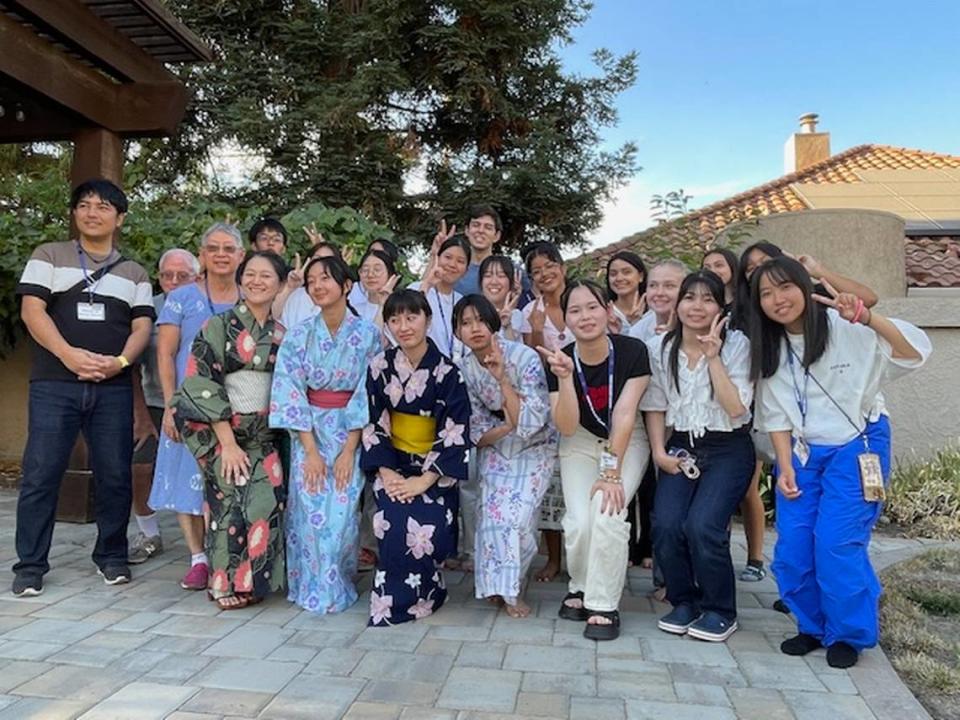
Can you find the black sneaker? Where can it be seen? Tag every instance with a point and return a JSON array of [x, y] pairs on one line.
[[27, 585], [115, 574]]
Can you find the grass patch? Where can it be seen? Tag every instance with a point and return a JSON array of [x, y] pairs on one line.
[[924, 498], [920, 628]]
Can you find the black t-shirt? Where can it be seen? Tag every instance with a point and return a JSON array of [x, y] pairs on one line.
[[630, 361]]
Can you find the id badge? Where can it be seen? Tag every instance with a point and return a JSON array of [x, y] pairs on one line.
[[802, 451], [91, 312], [871, 477], [608, 461]]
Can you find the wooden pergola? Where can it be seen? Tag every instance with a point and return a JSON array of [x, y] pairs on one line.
[[92, 72]]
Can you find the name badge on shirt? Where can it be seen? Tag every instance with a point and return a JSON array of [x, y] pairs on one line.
[[801, 450], [91, 312]]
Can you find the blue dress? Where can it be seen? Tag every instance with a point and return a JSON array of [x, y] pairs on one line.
[[416, 537], [177, 480], [322, 529]]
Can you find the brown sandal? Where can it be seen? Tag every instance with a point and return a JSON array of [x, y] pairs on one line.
[[222, 603]]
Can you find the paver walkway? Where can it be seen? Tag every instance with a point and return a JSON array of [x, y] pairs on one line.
[[152, 650]]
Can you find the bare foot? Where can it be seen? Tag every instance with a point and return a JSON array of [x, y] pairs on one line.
[[599, 620], [451, 564], [660, 594], [466, 565], [519, 610], [548, 572], [495, 600], [646, 563]]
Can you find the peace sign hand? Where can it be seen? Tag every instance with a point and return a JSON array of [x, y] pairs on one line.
[[847, 304], [442, 236], [493, 361], [666, 327], [638, 309], [509, 305], [313, 235], [379, 297], [711, 343], [559, 362], [538, 316], [295, 276]]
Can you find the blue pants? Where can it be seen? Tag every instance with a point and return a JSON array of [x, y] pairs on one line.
[[59, 410], [821, 561], [691, 518]]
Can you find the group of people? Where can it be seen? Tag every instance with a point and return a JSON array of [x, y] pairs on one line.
[[311, 420]]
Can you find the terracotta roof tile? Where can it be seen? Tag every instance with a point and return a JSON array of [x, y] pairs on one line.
[[778, 196], [933, 261]]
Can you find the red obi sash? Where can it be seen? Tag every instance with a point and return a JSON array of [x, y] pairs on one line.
[[329, 399]]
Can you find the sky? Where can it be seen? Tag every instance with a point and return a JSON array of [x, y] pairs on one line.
[[721, 85]]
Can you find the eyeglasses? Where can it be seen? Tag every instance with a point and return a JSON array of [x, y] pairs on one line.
[[545, 268], [225, 249], [179, 276], [373, 272]]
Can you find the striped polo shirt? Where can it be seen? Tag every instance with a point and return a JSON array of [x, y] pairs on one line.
[[55, 274]]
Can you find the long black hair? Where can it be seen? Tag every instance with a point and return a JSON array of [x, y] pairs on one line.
[[767, 336], [336, 268], [741, 308], [631, 258], [714, 285]]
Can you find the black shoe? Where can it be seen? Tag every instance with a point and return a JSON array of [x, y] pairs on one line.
[[27, 585], [799, 645], [841, 655], [603, 632], [781, 606], [115, 574], [567, 612]]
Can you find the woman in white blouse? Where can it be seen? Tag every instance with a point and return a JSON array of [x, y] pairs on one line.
[[701, 389], [820, 361]]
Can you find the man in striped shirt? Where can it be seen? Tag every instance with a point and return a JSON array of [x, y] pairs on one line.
[[89, 311]]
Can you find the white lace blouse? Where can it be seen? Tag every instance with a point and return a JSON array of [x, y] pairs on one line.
[[694, 408]]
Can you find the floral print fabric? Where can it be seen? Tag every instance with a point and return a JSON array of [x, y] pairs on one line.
[[416, 537], [244, 539], [321, 528]]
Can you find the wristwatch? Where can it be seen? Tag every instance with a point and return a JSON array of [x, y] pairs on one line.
[[124, 363]]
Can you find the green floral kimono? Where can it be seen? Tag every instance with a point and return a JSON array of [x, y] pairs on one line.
[[228, 379]]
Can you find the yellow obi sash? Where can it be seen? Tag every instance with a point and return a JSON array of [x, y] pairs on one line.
[[414, 434]]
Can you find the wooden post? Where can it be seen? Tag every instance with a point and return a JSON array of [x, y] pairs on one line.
[[97, 153]]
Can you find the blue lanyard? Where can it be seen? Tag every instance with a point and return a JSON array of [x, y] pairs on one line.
[[91, 284], [584, 388], [801, 397]]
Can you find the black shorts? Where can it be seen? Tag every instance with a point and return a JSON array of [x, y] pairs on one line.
[[146, 452]]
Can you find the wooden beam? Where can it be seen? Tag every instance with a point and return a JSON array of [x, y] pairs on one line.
[[93, 38], [134, 109], [97, 153]]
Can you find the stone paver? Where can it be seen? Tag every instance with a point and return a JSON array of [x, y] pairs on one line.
[[152, 650]]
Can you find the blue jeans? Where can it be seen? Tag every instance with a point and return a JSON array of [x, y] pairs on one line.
[[821, 562], [59, 410], [691, 518]]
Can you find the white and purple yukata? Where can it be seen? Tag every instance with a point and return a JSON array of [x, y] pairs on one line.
[[514, 472]]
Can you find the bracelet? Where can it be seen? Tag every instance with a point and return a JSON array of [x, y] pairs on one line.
[[858, 313], [613, 480], [124, 363]]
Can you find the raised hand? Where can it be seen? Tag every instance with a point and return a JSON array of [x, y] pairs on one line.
[[811, 265], [538, 316], [614, 323], [638, 309], [666, 327], [847, 304], [313, 235], [493, 360], [295, 276], [379, 297], [509, 305], [559, 362], [442, 236], [711, 343]]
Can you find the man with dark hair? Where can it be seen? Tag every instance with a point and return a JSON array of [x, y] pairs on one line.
[[483, 232], [269, 234], [89, 311]]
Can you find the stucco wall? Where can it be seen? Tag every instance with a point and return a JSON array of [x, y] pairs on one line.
[[862, 244]]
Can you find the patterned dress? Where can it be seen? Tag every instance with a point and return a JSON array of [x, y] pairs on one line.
[[177, 481], [228, 379], [514, 472], [414, 538], [321, 528]]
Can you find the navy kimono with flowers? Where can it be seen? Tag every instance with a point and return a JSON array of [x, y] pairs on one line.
[[414, 538]]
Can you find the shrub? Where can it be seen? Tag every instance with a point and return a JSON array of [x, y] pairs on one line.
[[924, 497]]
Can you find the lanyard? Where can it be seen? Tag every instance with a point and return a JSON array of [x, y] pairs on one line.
[[91, 284], [584, 388], [801, 397], [447, 327]]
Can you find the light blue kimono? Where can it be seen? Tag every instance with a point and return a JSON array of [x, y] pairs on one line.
[[514, 472], [322, 529]]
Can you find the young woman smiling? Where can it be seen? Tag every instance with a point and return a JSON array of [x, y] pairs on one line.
[[820, 361], [442, 273], [626, 284], [595, 388], [500, 284]]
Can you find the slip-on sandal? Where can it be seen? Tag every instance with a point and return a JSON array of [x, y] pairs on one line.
[[577, 614], [603, 632]]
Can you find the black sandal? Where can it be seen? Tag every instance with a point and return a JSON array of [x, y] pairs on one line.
[[577, 614], [603, 632]]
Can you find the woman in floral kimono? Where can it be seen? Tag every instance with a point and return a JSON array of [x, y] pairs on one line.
[[222, 416], [415, 451], [319, 393], [517, 449]]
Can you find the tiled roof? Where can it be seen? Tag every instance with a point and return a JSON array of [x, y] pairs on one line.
[[696, 230], [933, 261]]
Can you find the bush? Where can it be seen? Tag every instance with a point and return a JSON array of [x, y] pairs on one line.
[[924, 497]]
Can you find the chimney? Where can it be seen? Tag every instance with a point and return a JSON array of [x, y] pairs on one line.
[[807, 147]]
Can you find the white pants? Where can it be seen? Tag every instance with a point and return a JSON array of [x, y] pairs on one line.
[[596, 542]]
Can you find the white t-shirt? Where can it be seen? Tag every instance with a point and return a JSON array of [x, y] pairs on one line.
[[694, 408], [441, 325], [645, 328], [856, 362], [299, 307], [554, 338]]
